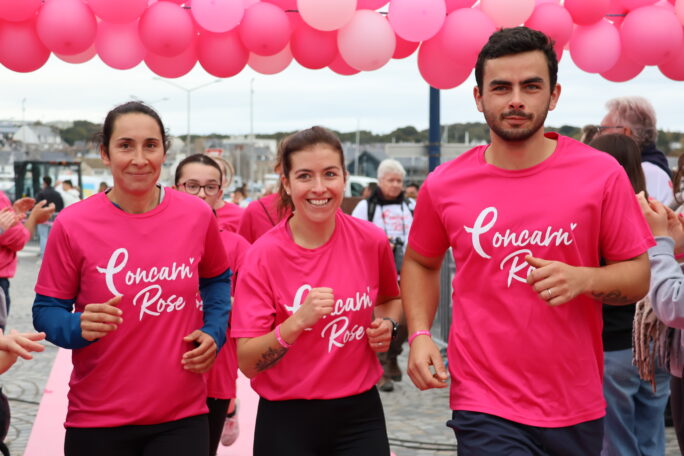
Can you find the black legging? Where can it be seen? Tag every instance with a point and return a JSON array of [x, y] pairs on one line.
[[349, 426], [217, 416], [187, 436]]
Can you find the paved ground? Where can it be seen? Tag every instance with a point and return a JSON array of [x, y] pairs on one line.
[[415, 419]]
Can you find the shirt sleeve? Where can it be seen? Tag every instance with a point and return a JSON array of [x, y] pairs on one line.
[[361, 210], [214, 261], [667, 284], [59, 275], [254, 311], [215, 293], [15, 238], [62, 327], [427, 235], [245, 227], [388, 286], [619, 240]]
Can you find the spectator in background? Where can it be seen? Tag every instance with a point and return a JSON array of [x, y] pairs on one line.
[[15, 235], [411, 193], [388, 209], [103, 186], [50, 195], [636, 118], [228, 215], [589, 132], [68, 193], [240, 197]]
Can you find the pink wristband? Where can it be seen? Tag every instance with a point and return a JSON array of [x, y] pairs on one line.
[[423, 332], [280, 340]]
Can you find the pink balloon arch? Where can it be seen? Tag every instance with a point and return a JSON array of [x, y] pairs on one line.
[[615, 38]]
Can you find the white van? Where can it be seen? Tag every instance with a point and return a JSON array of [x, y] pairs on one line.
[[356, 184]]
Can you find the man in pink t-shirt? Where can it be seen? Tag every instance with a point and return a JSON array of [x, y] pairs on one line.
[[529, 219]]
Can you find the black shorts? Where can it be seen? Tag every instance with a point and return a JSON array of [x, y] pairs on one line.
[[480, 434], [348, 426], [187, 436]]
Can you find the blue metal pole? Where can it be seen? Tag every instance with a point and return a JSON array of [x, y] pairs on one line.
[[434, 135]]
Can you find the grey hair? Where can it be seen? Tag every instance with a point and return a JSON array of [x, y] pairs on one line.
[[389, 165], [638, 115]]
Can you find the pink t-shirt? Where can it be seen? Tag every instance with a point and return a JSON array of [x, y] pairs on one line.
[[154, 260], [510, 353], [333, 359], [11, 241], [222, 376], [260, 216], [229, 217]]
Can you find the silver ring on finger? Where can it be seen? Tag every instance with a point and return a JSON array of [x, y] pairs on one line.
[[548, 294]]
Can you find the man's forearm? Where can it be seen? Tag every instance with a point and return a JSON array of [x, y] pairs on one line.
[[621, 283], [419, 294]]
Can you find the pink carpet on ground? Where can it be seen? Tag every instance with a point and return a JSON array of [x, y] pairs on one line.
[[47, 434]]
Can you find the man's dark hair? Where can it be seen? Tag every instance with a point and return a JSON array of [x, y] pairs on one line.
[[68, 182], [516, 40], [47, 180]]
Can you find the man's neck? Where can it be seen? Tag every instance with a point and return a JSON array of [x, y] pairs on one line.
[[514, 155]]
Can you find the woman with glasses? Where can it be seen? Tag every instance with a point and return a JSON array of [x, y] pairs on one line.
[[201, 176], [228, 214], [118, 285], [316, 298]]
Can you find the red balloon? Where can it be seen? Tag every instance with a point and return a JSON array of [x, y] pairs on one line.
[[119, 11], [553, 20], [172, 67], [587, 12], [624, 70], [265, 29], [20, 48], [222, 55], [464, 33], [19, 10], [404, 48], [313, 48], [437, 68], [371, 4], [674, 68], [119, 45], [166, 29], [341, 67], [284, 4], [453, 5], [66, 26], [79, 58]]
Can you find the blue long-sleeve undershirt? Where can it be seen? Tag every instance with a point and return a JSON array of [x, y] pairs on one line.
[[62, 326]]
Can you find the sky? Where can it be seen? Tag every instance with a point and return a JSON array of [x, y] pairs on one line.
[[380, 101]]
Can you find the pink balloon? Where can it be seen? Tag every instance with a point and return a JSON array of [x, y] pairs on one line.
[[404, 48], [79, 58], [437, 68], [66, 26], [367, 42], [222, 55], [313, 48], [271, 64], [464, 33], [674, 67], [585, 52], [119, 11], [665, 4], [20, 48], [341, 67], [172, 67], [265, 29], [507, 13], [541, 2], [679, 10], [634, 4], [282, 4], [371, 4], [587, 12], [326, 15], [19, 10], [651, 35], [119, 45], [624, 70], [553, 20], [218, 16], [452, 5], [166, 29], [417, 20], [616, 12]]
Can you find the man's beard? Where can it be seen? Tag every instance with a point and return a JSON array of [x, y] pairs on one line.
[[515, 134]]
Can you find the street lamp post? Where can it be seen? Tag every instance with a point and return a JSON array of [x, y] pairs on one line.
[[188, 91]]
